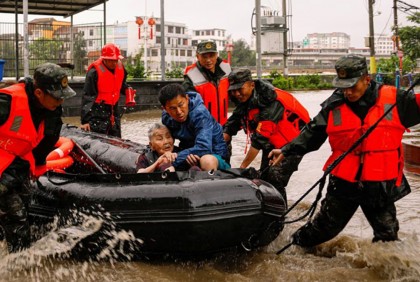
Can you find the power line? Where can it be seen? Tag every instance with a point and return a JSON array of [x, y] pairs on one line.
[[406, 8]]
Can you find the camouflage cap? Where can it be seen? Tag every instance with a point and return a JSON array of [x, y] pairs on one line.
[[349, 70], [52, 79], [238, 78], [206, 47]]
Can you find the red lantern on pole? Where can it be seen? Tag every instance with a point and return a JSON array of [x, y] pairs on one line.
[[139, 22], [151, 22]]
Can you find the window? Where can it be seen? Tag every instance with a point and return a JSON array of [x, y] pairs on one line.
[[178, 30], [185, 42], [155, 52], [182, 53], [158, 39], [158, 28], [91, 32], [189, 53], [170, 29]]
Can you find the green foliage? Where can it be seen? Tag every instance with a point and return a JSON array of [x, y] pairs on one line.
[[410, 38], [44, 50], [274, 74], [8, 53], [389, 66], [79, 56], [299, 82], [136, 70], [176, 72], [242, 55], [283, 83]]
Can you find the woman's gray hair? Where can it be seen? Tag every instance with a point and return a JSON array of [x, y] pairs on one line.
[[154, 127]]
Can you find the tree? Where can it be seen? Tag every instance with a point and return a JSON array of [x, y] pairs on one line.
[[175, 72], [410, 37], [44, 50], [242, 55], [136, 70], [8, 53], [79, 56]]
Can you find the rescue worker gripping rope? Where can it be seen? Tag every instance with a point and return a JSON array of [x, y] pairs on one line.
[[356, 177]]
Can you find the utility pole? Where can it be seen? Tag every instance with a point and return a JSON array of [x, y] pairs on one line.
[[372, 39], [285, 53], [397, 41], [258, 39], [162, 39]]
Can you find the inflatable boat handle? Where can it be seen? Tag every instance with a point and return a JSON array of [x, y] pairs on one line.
[[89, 157]]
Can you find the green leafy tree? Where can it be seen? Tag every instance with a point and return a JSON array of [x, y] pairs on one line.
[[79, 56], [390, 65], [7, 53], [410, 37], [136, 68], [242, 55], [44, 50], [175, 72]]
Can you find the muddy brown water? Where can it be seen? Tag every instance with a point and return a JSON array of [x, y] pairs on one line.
[[349, 257]]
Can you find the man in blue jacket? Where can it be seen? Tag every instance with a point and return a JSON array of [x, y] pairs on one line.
[[200, 135]]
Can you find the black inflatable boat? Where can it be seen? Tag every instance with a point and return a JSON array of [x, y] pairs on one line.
[[181, 213]]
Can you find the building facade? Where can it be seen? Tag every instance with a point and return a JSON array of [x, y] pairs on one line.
[[334, 40], [216, 34]]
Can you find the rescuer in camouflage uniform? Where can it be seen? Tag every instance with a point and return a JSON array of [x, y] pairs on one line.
[[371, 176], [271, 118], [30, 124]]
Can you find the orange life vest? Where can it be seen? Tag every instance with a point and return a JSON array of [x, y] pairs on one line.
[[18, 135], [380, 153], [215, 97], [287, 127], [109, 84]]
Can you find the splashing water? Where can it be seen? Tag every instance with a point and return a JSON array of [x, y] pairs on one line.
[[88, 235]]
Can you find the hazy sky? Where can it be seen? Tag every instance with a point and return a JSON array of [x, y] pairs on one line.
[[307, 16]]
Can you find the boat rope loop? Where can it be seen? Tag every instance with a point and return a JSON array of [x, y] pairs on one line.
[[59, 159]]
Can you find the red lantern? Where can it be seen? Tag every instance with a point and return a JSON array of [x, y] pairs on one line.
[[151, 22], [139, 22]]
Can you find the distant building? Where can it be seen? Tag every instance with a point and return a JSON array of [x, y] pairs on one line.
[[44, 28], [178, 43], [334, 40], [384, 45], [216, 34]]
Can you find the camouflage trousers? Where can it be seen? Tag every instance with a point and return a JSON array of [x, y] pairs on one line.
[[338, 207], [13, 212]]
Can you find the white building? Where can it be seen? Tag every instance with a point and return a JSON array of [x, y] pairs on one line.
[[215, 34], [146, 39], [384, 45], [334, 40]]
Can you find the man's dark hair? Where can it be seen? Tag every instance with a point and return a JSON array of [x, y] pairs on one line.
[[170, 91]]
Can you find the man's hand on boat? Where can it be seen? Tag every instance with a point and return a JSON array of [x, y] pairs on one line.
[[85, 127], [193, 160], [275, 156]]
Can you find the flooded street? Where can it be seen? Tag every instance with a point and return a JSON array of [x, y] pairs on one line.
[[349, 257]]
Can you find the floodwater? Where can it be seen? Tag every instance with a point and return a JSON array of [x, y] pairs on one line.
[[349, 257]]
